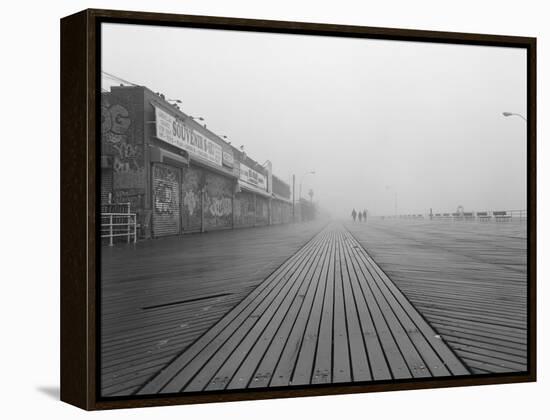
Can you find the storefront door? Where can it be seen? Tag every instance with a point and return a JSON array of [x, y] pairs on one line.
[[166, 200]]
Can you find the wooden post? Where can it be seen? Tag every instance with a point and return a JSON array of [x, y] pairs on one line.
[[255, 209], [202, 210], [110, 230], [233, 211], [293, 199], [128, 224]]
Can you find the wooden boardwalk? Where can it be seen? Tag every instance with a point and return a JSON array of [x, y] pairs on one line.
[[328, 314], [158, 297], [468, 279]]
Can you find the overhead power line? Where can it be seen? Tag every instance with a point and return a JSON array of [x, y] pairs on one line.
[[120, 79]]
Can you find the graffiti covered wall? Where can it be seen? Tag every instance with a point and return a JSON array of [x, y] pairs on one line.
[[119, 140], [262, 211], [245, 212], [218, 202], [191, 203], [166, 200]]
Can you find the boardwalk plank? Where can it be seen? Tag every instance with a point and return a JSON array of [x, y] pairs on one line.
[[246, 333], [302, 371], [322, 368], [239, 368], [358, 354], [329, 314], [230, 322], [392, 353], [341, 358], [473, 288], [426, 339], [283, 350], [376, 357]]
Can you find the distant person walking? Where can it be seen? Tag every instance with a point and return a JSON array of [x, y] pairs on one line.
[[354, 214], [360, 217], [365, 216]]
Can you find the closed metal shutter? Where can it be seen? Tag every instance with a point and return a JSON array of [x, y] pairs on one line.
[[245, 211], [166, 200], [218, 202], [191, 186], [262, 211]]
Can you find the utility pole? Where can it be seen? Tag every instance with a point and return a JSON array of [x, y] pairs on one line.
[[293, 199]]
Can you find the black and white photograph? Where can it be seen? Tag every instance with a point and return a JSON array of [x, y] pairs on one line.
[[284, 210]]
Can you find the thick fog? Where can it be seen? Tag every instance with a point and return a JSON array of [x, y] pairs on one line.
[[383, 124]]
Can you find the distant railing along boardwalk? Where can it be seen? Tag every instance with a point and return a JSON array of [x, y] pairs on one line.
[[481, 216]]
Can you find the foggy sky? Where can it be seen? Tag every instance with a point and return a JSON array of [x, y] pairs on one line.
[[376, 120]]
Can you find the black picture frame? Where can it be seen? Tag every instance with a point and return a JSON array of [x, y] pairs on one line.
[[80, 117]]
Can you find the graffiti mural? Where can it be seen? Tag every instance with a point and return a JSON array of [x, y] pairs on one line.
[[220, 206], [118, 141], [191, 202], [166, 203], [218, 200], [245, 213], [164, 198], [134, 196], [191, 186]]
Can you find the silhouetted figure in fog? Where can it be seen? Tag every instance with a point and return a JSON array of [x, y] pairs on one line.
[[360, 217], [365, 216], [354, 214]]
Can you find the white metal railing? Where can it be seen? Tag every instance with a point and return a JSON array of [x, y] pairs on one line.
[[517, 214], [495, 215], [115, 225]]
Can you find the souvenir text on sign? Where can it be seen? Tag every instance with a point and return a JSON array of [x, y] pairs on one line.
[[172, 130], [253, 177]]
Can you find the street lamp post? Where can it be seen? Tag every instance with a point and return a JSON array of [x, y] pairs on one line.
[[514, 114], [300, 195]]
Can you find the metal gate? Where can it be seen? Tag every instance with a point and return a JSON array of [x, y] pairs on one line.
[[166, 200]]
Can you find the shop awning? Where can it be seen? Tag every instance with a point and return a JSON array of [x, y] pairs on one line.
[[253, 189]]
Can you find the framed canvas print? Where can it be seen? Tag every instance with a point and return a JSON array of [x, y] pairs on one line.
[[261, 209]]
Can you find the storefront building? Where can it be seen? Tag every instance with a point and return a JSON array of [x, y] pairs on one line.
[[177, 175]]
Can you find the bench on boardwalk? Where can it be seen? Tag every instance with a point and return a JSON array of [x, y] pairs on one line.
[[502, 216], [483, 216], [468, 215]]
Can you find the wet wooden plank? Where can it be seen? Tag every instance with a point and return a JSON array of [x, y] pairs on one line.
[[273, 328], [322, 367], [341, 357], [187, 271], [467, 279], [331, 318], [299, 370], [223, 330], [285, 346], [357, 349]]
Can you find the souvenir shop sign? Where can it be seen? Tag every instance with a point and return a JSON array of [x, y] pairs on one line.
[[174, 131]]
